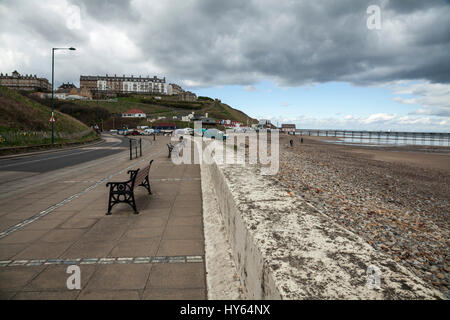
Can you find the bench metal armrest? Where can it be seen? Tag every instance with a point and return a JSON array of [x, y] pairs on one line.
[[123, 186]]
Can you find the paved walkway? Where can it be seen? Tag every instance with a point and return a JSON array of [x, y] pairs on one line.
[[58, 219]]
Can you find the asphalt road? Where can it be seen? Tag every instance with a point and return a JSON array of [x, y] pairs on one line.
[[47, 162]]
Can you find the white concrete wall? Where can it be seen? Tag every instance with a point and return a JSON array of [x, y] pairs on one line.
[[285, 249]]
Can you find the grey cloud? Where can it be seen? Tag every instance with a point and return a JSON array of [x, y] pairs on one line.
[[439, 112], [111, 11], [299, 42], [32, 23], [244, 42], [409, 6]]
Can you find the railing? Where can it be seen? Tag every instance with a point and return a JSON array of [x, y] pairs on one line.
[[135, 145]]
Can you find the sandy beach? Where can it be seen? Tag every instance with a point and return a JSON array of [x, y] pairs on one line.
[[396, 198]]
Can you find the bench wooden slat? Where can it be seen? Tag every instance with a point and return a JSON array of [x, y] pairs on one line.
[[142, 173]]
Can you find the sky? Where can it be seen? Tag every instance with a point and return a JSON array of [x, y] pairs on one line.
[[325, 64]]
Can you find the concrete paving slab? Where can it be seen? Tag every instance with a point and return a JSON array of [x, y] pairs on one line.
[[185, 221], [23, 236], [63, 235], [46, 295], [171, 247], [186, 212], [78, 223], [109, 295], [44, 224], [7, 251], [42, 250], [183, 276], [120, 277], [88, 249], [174, 294], [145, 220], [15, 278], [135, 248], [143, 233], [183, 232], [54, 277]]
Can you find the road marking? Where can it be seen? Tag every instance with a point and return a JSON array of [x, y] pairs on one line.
[[96, 261], [67, 200], [104, 148]]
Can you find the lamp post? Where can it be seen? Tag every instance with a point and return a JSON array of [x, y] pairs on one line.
[[53, 82]]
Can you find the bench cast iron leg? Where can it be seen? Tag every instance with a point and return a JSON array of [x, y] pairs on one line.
[[132, 203], [109, 204], [146, 184]]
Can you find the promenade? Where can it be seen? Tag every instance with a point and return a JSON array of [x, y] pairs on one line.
[[51, 220]]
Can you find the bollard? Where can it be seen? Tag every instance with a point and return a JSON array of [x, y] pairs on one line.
[[140, 145], [154, 136]]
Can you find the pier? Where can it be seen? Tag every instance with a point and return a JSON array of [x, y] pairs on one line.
[[382, 137]]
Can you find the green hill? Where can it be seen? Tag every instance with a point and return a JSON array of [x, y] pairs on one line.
[[24, 121], [169, 106]]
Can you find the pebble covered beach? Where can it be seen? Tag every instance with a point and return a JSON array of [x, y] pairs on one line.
[[398, 207]]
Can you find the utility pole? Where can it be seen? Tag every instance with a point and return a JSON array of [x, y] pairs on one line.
[[53, 89]]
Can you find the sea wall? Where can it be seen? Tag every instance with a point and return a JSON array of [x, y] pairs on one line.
[[284, 248]]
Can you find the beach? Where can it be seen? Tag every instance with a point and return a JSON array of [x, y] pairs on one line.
[[396, 198]]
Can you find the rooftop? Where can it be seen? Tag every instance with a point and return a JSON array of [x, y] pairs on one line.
[[135, 111]]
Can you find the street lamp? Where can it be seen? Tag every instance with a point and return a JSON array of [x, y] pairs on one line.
[[53, 82]]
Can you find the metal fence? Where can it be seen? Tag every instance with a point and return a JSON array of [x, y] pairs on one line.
[[135, 148]]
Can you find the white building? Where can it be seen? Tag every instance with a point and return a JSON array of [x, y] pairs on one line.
[[264, 122], [187, 118], [124, 84], [134, 113]]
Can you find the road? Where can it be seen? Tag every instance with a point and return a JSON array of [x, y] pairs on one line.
[[47, 162]]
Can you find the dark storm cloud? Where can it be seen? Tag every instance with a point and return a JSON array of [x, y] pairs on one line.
[[299, 42], [207, 42]]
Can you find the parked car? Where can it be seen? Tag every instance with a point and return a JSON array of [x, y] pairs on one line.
[[147, 132], [132, 132], [185, 131], [113, 131]]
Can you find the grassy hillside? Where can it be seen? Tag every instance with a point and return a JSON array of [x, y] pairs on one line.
[[169, 107], [26, 122]]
